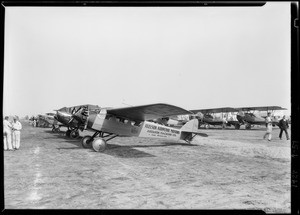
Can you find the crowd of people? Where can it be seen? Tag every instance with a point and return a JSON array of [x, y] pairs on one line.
[[11, 133]]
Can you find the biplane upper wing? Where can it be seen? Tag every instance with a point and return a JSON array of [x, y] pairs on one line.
[[261, 108], [215, 110], [148, 112]]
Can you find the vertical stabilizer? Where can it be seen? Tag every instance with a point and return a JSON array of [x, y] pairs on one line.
[[191, 126]]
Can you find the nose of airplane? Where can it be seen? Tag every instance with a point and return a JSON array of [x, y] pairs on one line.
[[82, 115], [62, 116]]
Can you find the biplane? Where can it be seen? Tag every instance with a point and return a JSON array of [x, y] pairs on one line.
[[208, 117], [247, 116], [134, 121]]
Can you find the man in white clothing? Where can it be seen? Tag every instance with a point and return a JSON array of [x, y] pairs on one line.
[[269, 127], [7, 134], [16, 127]]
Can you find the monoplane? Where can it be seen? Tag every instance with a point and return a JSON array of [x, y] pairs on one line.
[[132, 121]]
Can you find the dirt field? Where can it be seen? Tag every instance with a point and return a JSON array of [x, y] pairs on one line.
[[230, 169]]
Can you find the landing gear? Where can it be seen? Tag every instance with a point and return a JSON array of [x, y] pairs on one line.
[[55, 129], [99, 145], [68, 132], [237, 126], [86, 141], [248, 126], [206, 126], [74, 134]]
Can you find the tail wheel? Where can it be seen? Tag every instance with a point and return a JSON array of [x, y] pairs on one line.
[[74, 134], [86, 141], [99, 145], [207, 126]]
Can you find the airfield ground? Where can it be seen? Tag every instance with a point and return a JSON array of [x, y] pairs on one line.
[[230, 169]]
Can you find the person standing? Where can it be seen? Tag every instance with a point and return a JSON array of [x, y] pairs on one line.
[[7, 134], [16, 127], [283, 125], [269, 127], [224, 122]]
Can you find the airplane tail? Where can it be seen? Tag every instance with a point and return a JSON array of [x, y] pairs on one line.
[[191, 126], [190, 130]]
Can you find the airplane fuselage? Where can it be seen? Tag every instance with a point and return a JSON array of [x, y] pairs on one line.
[[111, 124]]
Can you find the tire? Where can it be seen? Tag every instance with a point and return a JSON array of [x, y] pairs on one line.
[[74, 134], [86, 141], [68, 132], [237, 126], [248, 127], [99, 145]]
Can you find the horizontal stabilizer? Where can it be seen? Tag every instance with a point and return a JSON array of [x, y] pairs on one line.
[[202, 134]]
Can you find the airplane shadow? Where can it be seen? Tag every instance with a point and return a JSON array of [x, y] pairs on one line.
[[130, 151], [124, 151]]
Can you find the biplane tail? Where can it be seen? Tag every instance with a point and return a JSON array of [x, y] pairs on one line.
[[190, 130]]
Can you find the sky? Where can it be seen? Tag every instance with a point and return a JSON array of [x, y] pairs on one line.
[[191, 57]]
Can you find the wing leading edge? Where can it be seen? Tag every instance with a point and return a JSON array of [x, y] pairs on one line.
[[215, 110], [148, 112], [230, 109], [261, 108]]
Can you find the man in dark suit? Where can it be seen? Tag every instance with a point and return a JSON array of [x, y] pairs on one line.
[[283, 125]]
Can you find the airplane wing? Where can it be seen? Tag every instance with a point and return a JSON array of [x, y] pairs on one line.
[[261, 108], [215, 110], [148, 112]]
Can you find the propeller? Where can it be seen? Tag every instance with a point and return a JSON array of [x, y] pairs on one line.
[[81, 115], [73, 111]]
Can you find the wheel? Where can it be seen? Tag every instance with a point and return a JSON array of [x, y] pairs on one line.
[[74, 134], [99, 145], [248, 126], [206, 126], [53, 129], [68, 132], [86, 141], [237, 126], [57, 130]]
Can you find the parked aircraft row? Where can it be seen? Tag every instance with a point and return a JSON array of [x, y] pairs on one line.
[[236, 116], [139, 121], [153, 121], [43, 120]]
